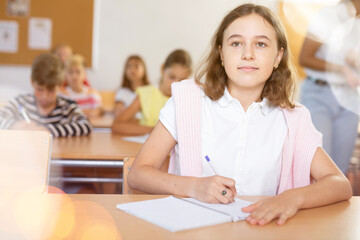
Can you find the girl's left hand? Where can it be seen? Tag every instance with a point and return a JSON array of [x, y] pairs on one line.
[[282, 206]]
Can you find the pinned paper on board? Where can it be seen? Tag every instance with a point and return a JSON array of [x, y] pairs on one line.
[[9, 32], [18, 8], [40, 32]]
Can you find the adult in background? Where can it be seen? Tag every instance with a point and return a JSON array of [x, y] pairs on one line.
[[329, 55]]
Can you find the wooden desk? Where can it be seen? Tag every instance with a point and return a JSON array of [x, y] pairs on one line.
[[95, 146], [336, 221], [105, 121], [83, 214], [99, 150]]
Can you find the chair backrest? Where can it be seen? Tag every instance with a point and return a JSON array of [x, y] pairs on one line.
[[24, 160], [108, 100], [126, 168]]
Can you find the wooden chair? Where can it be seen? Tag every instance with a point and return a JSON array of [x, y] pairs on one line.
[[108, 100], [353, 173], [24, 161], [126, 168]]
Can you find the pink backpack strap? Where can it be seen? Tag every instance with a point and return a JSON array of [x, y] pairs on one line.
[[187, 98]]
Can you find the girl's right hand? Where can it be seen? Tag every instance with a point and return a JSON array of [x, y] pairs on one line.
[[209, 189]]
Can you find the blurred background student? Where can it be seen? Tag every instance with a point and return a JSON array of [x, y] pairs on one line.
[[135, 75], [65, 52], [44, 109], [329, 91], [88, 99], [150, 100]]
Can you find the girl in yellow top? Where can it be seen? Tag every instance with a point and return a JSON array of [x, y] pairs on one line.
[[150, 99]]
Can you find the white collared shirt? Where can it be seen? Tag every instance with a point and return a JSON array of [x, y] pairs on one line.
[[245, 146]]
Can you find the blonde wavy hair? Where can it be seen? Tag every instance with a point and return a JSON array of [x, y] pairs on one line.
[[279, 88]]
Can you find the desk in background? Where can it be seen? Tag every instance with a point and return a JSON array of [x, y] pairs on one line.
[[97, 158], [104, 121]]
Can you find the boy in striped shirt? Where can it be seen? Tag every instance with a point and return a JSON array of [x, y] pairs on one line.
[[44, 109]]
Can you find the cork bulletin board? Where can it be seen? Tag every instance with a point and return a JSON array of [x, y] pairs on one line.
[[71, 23]]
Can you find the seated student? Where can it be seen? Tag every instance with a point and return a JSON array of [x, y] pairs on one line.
[[45, 109], [65, 52], [239, 118], [88, 99], [134, 76], [150, 99]]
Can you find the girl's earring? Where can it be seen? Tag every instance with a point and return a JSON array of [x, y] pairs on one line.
[[275, 67], [222, 63]]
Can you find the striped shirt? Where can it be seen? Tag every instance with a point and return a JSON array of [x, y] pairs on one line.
[[65, 120], [88, 98]]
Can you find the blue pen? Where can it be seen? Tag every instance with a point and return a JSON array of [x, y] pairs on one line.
[[212, 167], [216, 173]]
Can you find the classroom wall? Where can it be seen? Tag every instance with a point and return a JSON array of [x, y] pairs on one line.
[[149, 28]]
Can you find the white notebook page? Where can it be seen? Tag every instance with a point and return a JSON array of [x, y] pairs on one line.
[[232, 209], [175, 214], [137, 139]]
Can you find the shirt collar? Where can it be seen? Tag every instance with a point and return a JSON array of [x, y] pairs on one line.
[[264, 106], [227, 99]]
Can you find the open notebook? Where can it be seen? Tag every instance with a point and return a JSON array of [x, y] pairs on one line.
[[177, 214]]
